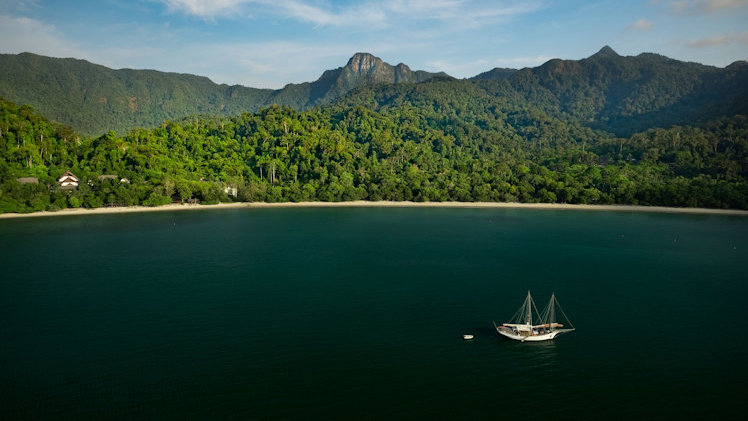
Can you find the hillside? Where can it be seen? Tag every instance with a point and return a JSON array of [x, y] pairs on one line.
[[625, 95], [94, 99], [606, 91]]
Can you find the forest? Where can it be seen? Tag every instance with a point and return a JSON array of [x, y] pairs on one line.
[[440, 140]]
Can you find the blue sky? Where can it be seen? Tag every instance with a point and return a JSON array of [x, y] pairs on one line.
[[268, 43]]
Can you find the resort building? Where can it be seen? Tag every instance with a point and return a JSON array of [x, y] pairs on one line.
[[68, 181]]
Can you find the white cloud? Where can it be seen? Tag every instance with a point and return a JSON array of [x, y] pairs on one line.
[[475, 67], [18, 4], [678, 6], [19, 34], [697, 7], [640, 25], [270, 64], [711, 5], [741, 38], [519, 62], [449, 10], [373, 13], [364, 14], [460, 69], [202, 8], [708, 42], [422, 7], [285, 9]]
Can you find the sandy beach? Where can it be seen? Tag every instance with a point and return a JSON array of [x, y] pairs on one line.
[[363, 203]]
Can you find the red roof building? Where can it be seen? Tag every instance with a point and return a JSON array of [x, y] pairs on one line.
[[68, 181]]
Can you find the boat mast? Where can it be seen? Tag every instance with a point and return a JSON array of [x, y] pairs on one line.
[[552, 311], [528, 316]]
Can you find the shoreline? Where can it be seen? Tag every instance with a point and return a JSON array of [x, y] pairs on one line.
[[384, 204]]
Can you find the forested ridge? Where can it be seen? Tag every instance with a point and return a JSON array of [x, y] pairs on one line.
[[441, 140], [625, 95], [606, 91], [95, 99]]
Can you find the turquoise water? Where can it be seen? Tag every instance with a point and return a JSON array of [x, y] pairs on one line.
[[358, 313]]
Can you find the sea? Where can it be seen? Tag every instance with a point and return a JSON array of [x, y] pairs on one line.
[[358, 313]]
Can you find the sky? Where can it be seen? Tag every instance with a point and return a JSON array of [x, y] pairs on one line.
[[269, 43]]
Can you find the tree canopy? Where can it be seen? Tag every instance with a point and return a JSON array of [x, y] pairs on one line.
[[435, 141]]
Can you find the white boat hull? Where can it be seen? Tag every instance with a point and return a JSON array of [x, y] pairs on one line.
[[531, 337]]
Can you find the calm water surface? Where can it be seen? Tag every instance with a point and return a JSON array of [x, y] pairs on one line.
[[358, 313]]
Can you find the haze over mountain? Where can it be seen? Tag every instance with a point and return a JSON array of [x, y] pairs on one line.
[[606, 91]]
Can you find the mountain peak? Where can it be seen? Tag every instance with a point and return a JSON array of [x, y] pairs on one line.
[[606, 52], [362, 69], [363, 62]]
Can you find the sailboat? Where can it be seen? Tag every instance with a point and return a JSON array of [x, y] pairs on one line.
[[521, 327]]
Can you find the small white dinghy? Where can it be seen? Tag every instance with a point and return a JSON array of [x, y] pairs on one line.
[[467, 337], [521, 328]]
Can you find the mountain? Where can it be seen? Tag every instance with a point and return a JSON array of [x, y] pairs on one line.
[[94, 99], [626, 94], [606, 91], [365, 69], [362, 69], [629, 94]]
